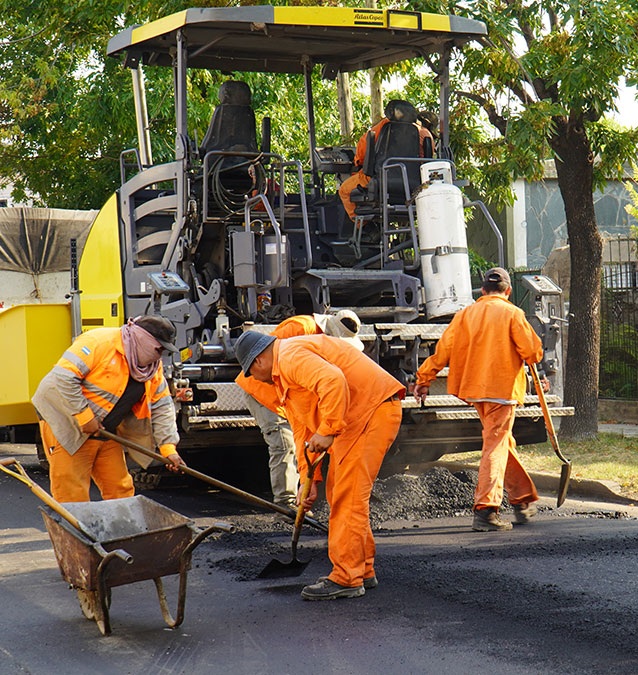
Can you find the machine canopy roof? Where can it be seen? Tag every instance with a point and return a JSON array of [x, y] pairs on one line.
[[283, 39]]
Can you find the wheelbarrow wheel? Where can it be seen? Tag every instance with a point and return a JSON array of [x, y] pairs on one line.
[[89, 602]]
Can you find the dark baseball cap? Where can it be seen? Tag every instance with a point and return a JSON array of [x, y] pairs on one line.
[[497, 274], [161, 329], [249, 346]]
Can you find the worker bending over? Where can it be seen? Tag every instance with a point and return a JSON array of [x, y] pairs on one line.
[[262, 402], [338, 400], [109, 378], [486, 346]]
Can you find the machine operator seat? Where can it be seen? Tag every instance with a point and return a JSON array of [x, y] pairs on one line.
[[232, 126], [398, 138], [232, 129]]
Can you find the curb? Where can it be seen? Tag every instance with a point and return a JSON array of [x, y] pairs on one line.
[[546, 482]]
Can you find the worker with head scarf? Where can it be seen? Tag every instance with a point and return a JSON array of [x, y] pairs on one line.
[[337, 400], [486, 346], [261, 399], [110, 378]]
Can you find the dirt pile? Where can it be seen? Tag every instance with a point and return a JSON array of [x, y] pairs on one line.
[[434, 494], [437, 493]]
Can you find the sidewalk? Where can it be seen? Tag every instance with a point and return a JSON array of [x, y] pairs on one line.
[[25, 453], [624, 430]]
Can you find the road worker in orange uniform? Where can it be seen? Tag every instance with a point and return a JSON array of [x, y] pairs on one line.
[[261, 399], [486, 346], [110, 378], [339, 400], [393, 110]]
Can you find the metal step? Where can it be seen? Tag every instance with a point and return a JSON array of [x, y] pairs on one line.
[[471, 413], [447, 400], [222, 422]]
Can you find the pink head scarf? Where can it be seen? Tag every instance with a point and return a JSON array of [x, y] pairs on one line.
[[143, 352]]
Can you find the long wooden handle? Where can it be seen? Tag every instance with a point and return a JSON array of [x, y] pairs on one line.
[[208, 479], [549, 425], [305, 491]]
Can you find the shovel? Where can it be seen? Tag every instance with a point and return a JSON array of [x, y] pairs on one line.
[[566, 469], [276, 569], [246, 496]]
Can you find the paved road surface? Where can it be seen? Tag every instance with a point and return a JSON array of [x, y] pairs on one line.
[[557, 596]]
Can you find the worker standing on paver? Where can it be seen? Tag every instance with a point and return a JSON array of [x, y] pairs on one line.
[[262, 402], [110, 378], [337, 400], [486, 346]]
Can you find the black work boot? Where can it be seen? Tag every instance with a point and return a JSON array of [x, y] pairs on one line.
[[488, 520], [329, 590]]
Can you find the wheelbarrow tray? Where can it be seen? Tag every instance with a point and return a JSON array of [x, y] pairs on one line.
[[154, 535]]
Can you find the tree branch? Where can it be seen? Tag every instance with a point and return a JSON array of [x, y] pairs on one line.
[[497, 120]]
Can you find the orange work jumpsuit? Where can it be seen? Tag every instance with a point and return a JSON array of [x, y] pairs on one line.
[[331, 388], [361, 179], [485, 346], [263, 404]]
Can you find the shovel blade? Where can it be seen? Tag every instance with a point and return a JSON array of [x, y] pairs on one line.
[[563, 484], [276, 569]]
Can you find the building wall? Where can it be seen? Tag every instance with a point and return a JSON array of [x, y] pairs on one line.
[[546, 228]]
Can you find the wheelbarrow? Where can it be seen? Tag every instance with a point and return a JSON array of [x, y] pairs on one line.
[[100, 545]]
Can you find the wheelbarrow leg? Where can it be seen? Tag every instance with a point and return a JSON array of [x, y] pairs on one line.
[[181, 600], [103, 599], [184, 566]]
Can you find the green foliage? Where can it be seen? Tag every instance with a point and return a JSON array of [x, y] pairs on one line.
[[478, 264], [66, 110]]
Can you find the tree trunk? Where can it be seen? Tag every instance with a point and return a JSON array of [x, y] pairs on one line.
[[376, 95], [574, 166], [344, 99]]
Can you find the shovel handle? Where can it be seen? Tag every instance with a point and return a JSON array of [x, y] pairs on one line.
[[307, 486], [549, 425], [253, 499]]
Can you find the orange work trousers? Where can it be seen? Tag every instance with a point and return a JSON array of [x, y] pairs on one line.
[[351, 546], [348, 185], [500, 467], [70, 475]]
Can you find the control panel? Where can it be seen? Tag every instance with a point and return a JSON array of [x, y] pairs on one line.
[[540, 284], [334, 159], [169, 283]]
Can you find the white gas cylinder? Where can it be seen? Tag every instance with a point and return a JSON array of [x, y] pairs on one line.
[[445, 264]]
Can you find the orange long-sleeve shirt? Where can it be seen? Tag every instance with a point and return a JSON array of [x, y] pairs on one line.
[[485, 346], [328, 387], [301, 324]]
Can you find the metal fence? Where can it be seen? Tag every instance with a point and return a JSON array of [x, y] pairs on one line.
[[619, 321]]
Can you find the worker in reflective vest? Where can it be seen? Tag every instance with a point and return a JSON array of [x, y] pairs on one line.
[[109, 378]]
